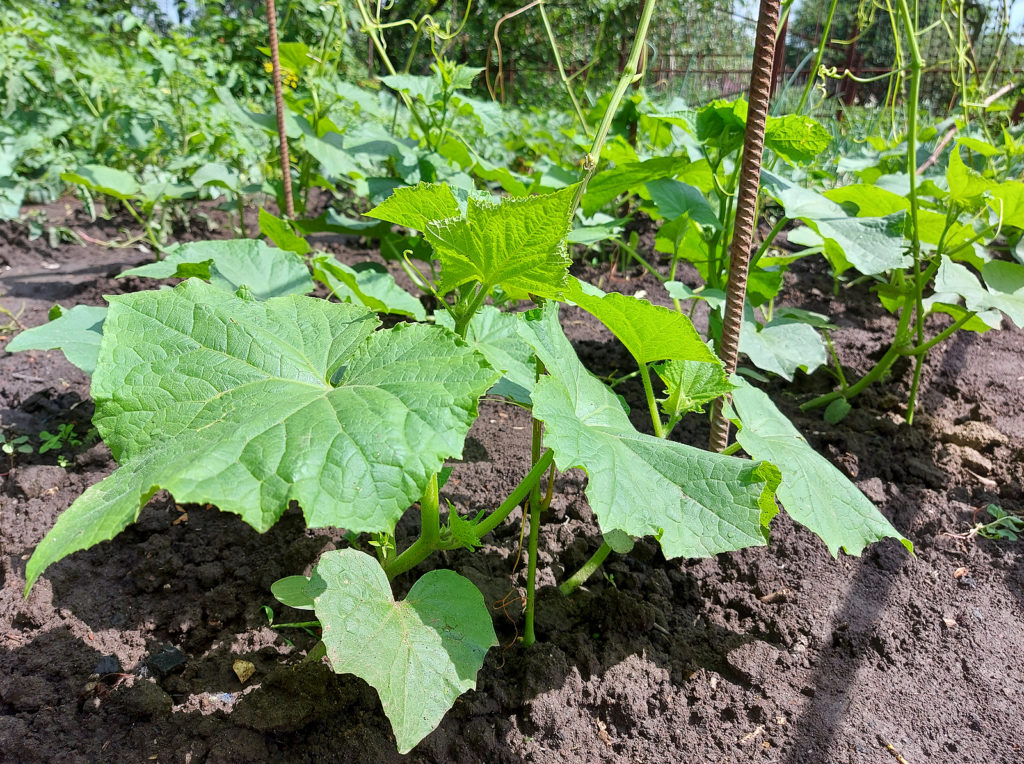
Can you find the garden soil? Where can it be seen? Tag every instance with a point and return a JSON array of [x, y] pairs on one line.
[[126, 652]]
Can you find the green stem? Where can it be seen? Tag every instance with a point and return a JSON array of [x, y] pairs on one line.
[[779, 225], [822, 44], [629, 75], [430, 534], [835, 360], [516, 497], [912, 398], [640, 259], [561, 71], [895, 351], [923, 348], [145, 224], [645, 375], [913, 99], [240, 203], [462, 322], [529, 636], [586, 571]]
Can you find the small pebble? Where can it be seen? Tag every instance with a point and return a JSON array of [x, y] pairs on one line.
[[168, 660], [108, 664]]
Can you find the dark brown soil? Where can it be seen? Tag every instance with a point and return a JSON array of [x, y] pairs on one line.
[[777, 654]]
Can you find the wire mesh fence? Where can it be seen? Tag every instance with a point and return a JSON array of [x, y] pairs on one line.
[[972, 48]]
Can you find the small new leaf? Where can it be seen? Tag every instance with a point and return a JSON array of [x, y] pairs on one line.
[[519, 244]]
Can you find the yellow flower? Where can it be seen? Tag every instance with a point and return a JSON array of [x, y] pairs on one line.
[[288, 77]]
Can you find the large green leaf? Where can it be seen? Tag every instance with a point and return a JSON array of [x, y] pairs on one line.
[[675, 199], [494, 334], [334, 160], [415, 206], [649, 332], [1003, 290], [696, 503], [782, 346], [76, 332], [871, 244], [228, 264], [865, 200], [518, 244], [813, 492], [966, 186], [420, 654], [608, 184], [216, 174], [1008, 203], [250, 405], [107, 180], [796, 138], [369, 284]]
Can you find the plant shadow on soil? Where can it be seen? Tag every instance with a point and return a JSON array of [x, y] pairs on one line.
[[769, 654]]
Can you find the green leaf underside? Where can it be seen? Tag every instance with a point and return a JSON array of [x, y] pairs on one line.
[[76, 332], [675, 199], [871, 244], [813, 492], [519, 244], [649, 332], [230, 402], [267, 271], [1003, 290], [369, 284], [697, 503], [415, 206], [106, 180], [494, 334], [420, 654], [782, 346]]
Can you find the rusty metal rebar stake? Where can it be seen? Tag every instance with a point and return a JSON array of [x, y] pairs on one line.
[[746, 204], [275, 61]]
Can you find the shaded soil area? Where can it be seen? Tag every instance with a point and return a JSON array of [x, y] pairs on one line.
[[124, 652]]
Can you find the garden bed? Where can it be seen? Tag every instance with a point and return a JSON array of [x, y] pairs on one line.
[[125, 652]]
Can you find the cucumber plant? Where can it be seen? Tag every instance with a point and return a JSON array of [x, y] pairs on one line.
[[237, 389], [249, 398]]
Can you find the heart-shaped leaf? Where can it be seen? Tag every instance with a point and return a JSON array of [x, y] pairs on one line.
[[519, 244], [228, 264], [420, 654]]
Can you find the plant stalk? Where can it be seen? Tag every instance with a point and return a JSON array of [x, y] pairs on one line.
[[521, 491], [588, 569], [913, 99], [629, 76], [529, 636], [652, 404], [430, 534], [812, 75]]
